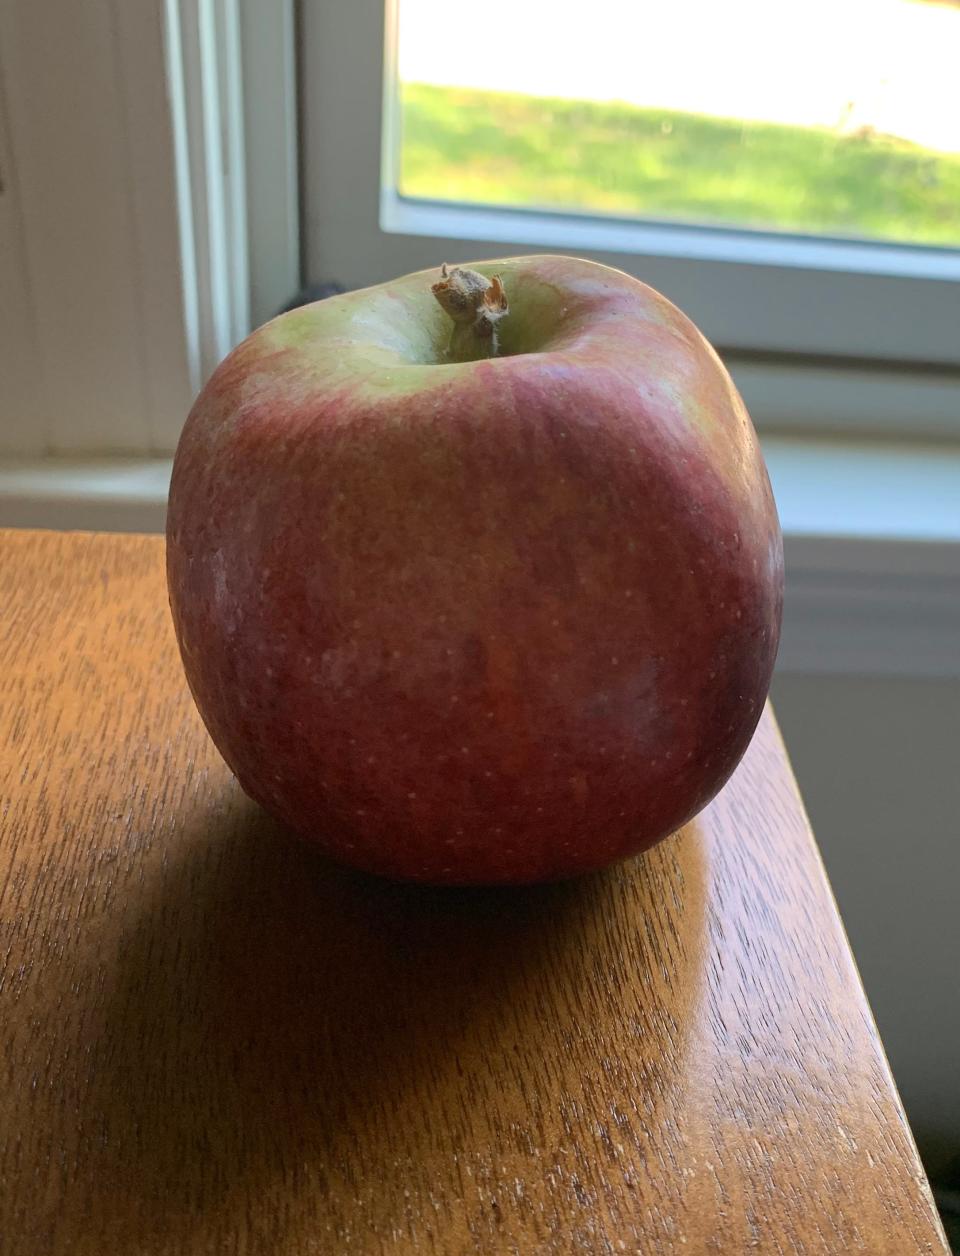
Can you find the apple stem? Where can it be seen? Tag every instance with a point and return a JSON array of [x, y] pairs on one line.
[[475, 304]]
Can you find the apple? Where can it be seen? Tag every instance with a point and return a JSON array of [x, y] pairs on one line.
[[477, 575]]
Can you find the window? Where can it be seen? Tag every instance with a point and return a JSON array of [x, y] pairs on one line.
[[869, 326], [150, 207], [690, 112]]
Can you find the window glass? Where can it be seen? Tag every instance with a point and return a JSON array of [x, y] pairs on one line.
[[837, 118]]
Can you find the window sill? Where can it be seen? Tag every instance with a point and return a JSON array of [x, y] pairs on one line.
[[872, 538], [872, 544], [104, 494]]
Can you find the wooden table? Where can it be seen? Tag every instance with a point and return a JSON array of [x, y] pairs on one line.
[[215, 1042]]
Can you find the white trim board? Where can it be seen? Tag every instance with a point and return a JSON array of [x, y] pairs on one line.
[[204, 72], [232, 82], [89, 167], [865, 490], [85, 495], [872, 539], [871, 608], [268, 47], [572, 232], [822, 399], [148, 210]]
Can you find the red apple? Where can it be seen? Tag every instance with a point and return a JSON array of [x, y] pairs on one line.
[[491, 620]]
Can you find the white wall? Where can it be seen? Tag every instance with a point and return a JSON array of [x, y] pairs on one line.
[[878, 761]]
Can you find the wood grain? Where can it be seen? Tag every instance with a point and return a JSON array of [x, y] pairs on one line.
[[213, 1041]]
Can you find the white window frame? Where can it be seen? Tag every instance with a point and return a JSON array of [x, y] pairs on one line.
[[149, 213], [820, 334]]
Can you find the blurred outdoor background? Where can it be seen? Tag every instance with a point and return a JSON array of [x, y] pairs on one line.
[[836, 119]]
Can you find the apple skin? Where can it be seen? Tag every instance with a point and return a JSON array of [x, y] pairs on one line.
[[498, 621]]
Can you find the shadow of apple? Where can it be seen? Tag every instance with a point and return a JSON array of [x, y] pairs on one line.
[[291, 1047]]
